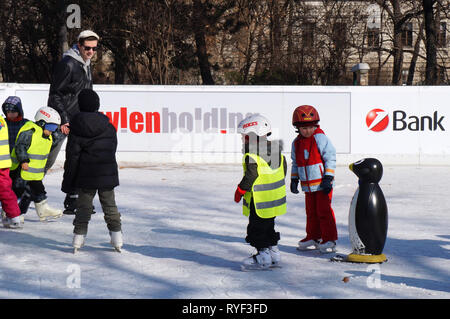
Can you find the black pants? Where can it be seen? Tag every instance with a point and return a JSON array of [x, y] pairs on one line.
[[35, 189], [261, 231], [85, 208]]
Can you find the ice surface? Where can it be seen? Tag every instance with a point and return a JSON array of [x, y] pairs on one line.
[[184, 238]]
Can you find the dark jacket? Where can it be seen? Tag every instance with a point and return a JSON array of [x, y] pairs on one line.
[[14, 126], [90, 153], [272, 158], [70, 76]]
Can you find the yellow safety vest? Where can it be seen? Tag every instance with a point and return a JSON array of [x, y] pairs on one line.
[[37, 153], [5, 158], [268, 190]]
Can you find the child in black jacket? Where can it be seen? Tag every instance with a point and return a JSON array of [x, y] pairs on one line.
[[91, 167]]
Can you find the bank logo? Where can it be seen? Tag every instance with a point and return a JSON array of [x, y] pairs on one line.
[[377, 120]]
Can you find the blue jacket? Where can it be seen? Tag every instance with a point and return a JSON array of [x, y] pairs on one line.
[[312, 158]]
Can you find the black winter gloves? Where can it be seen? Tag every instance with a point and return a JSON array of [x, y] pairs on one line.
[[294, 185], [326, 184]]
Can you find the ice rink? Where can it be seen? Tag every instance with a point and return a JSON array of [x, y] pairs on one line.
[[184, 239]]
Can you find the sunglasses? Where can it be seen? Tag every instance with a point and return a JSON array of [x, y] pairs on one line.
[[86, 48], [51, 127]]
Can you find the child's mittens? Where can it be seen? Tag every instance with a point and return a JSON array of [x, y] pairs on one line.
[[326, 184], [294, 185], [238, 194]]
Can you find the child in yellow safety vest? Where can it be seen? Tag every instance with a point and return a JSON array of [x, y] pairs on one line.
[[263, 190], [29, 157], [10, 209]]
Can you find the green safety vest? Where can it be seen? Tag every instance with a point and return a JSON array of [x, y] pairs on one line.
[[268, 190], [5, 158], [37, 153]]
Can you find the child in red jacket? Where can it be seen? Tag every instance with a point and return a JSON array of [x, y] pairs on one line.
[[313, 164], [10, 209]]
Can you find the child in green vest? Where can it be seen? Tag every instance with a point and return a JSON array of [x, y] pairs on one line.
[[14, 117], [263, 189], [29, 157]]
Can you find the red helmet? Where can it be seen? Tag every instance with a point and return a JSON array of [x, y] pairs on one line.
[[305, 115]]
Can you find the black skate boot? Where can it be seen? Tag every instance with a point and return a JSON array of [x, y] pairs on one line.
[[24, 203]]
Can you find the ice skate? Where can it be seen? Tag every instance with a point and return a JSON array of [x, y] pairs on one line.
[[260, 261], [275, 256], [13, 223], [327, 247], [78, 242], [116, 240], [45, 212], [307, 244]]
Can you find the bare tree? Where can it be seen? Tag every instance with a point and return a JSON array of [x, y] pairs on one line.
[[415, 55], [242, 41], [430, 42], [399, 14], [198, 25]]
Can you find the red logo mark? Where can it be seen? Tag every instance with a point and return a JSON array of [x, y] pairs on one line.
[[377, 120], [250, 124], [45, 113]]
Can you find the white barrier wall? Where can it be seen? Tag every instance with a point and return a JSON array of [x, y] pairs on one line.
[[398, 125]]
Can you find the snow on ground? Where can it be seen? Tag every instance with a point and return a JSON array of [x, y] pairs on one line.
[[184, 239]]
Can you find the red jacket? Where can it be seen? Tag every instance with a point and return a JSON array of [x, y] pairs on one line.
[[312, 158]]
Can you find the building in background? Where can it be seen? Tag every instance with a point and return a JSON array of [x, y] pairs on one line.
[[260, 42]]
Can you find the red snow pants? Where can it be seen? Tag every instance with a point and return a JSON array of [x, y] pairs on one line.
[[320, 220], [7, 197]]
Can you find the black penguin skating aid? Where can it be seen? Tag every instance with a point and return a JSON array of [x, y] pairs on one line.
[[368, 215]]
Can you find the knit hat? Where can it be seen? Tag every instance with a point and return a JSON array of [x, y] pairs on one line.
[[12, 103], [88, 101]]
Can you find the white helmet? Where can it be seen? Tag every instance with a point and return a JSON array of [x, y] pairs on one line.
[[256, 124], [48, 115]]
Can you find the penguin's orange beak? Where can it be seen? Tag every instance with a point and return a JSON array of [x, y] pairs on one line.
[[351, 167]]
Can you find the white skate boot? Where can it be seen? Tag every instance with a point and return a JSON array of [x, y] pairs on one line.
[[307, 244], [13, 223], [327, 247], [78, 242], [116, 240], [46, 212], [275, 255], [261, 260]]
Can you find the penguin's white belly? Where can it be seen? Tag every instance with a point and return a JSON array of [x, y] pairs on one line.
[[357, 244]]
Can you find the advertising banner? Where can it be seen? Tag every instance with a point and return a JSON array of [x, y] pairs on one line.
[[198, 123]]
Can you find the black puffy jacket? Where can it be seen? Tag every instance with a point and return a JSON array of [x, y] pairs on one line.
[[90, 153], [69, 78]]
